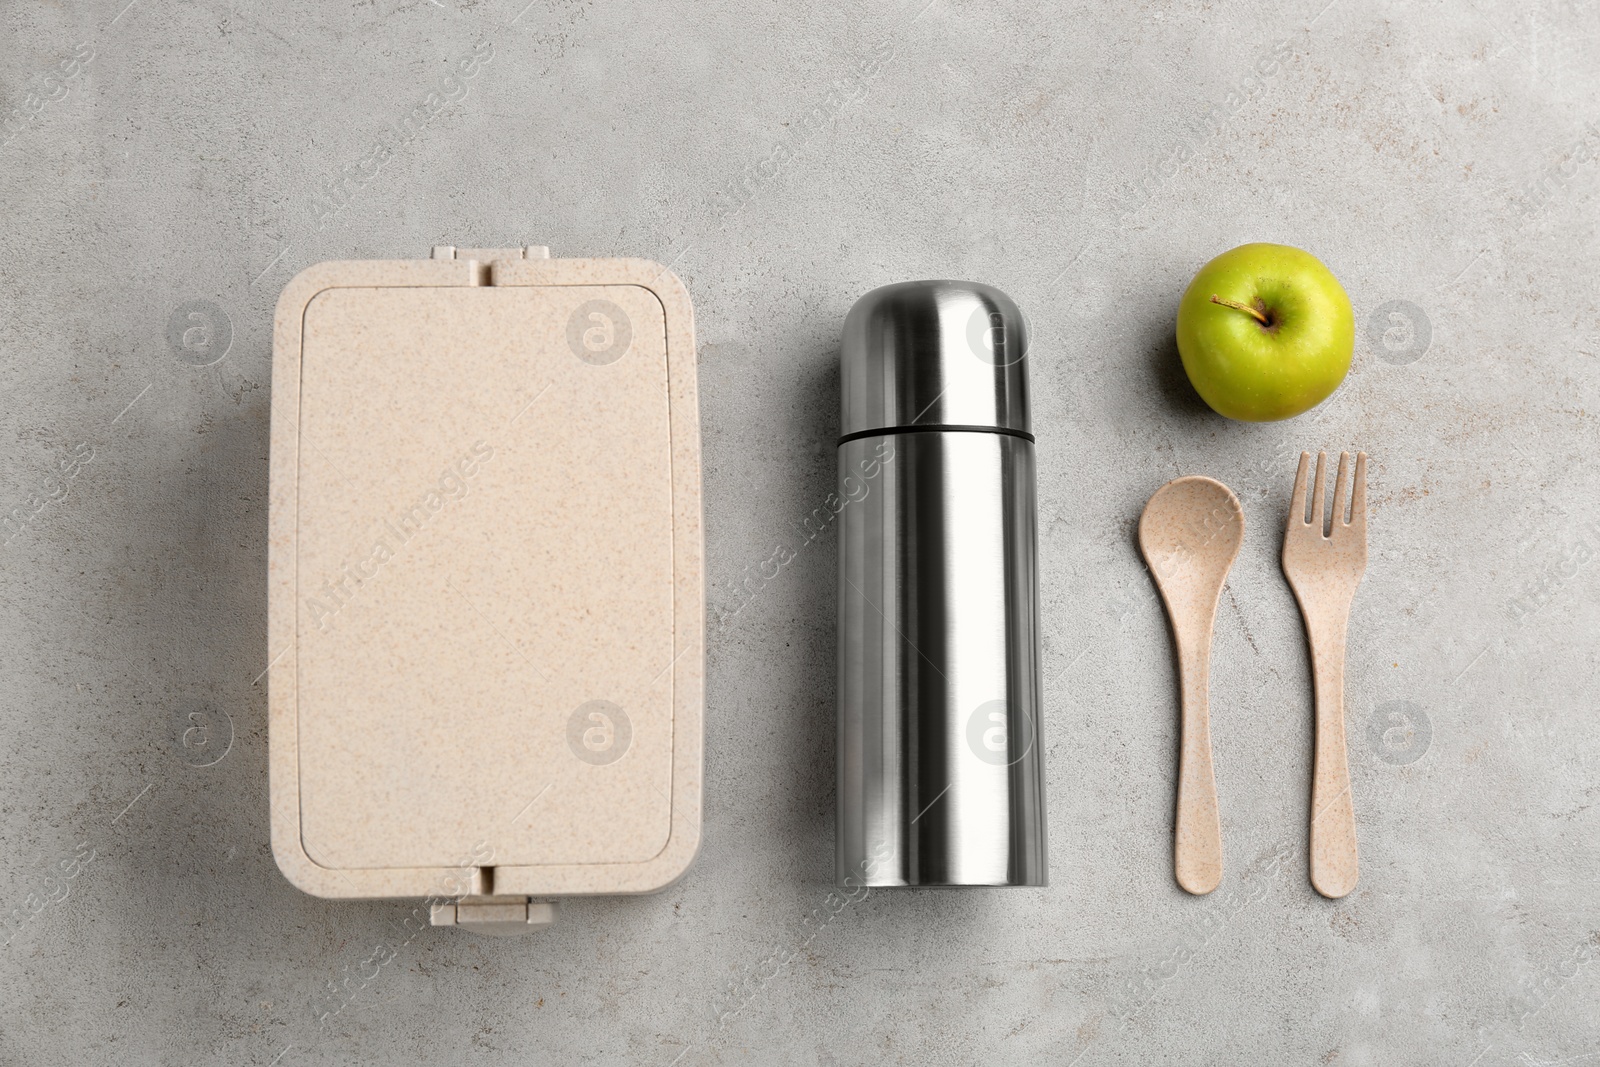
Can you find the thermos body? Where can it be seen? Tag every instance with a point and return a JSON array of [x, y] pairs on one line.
[[940, 765]]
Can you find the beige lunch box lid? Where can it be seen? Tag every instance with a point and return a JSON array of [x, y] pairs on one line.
[[485, 565]]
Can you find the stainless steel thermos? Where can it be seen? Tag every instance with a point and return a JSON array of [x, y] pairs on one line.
[[940, 762]]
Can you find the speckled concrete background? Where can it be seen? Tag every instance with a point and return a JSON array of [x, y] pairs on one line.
[[167, 167]]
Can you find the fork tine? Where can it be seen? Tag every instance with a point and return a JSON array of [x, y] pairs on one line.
[[1297, 503], [1341, 488], [1358, 507], [1319, 491]]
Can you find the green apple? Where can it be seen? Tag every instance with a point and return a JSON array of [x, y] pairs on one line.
[[1265, 332]]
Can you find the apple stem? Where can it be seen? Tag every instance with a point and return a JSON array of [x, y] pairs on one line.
[[1246, 308]]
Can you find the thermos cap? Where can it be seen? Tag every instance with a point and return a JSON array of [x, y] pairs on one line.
[[932, 354]]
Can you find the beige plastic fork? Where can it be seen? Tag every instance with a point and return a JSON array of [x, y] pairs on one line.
[[1323, 570]]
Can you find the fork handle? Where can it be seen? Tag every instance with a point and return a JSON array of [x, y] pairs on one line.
[[1197, 837], [1333, 813]]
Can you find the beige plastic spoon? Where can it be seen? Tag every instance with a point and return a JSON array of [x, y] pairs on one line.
[[1190, 534]]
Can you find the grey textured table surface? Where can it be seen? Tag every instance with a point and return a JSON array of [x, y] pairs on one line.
[[182, 160]]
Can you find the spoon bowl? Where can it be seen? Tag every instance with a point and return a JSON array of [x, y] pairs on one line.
[[1190, 534]]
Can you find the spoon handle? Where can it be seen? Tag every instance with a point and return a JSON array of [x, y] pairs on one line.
[[1333, 814], [1197, 842]]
